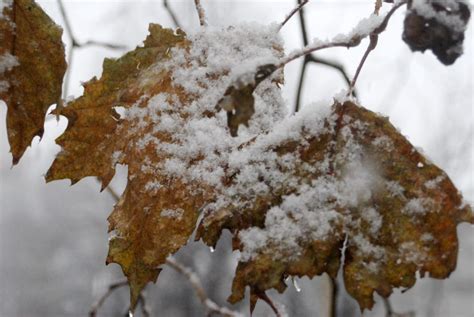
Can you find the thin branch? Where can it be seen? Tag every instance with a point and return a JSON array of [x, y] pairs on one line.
[[112, 192], [372, 45], [334, 289], [100, 302], [211, 306], [171, 13], [201, 13], [389, 312], [295, 10], [311, 58], [352, 41], [388, 307], [143, 305], [76, 44], [263, 296]]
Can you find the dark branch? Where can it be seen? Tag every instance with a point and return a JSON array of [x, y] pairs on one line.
[[100, 302], [311, 58], [171, 13], [299, 7], [75, 44]]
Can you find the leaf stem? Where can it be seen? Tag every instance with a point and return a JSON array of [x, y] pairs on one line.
[[299, 7], [201, 13], [211, 306]]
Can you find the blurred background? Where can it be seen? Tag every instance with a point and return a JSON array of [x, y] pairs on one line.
[[53, 237]]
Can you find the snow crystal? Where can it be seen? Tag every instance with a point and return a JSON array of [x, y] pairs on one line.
[[383, 142], [363, 29], [425, 9], [411, 252], [373, 217], [433, 183], [415, 206], [7, 62], [395, 189], [366, 248], [4, 4], [172, 213]]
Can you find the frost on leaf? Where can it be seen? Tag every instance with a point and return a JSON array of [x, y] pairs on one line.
[[32, 66], [321, 179]]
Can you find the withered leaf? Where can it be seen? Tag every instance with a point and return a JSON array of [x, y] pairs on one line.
[[238, 100], [292, 190], [358, 179], [135, 115], [32, 49], [439, 26]]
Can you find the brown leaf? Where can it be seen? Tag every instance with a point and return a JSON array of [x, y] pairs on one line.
[[293, 197], [358, 179], [97, 139], [238, 99], [31, 41]]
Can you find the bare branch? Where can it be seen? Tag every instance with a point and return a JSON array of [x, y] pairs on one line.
[[311, 58], [201, 13], [372, 45], [211, 306], [263, 296], [334, 289], [390, 313], [295, 10], [348, 42], [171, 13], [112, 192], [100, 302], [76, 44]]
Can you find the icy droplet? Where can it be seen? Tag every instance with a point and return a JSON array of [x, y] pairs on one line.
[[212, 249], [295, 284], [130, 313]]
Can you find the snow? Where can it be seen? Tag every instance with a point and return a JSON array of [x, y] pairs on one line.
[[425, 9], [7, 62], [4, 4], [363, 29], [416, 206]]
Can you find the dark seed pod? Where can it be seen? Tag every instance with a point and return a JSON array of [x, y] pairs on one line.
[[438, 26]]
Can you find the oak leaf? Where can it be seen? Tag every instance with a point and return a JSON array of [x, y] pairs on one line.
[[32, 66]]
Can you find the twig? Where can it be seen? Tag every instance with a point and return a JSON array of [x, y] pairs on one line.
[[171, 13], [372, 45], [296, 9], [112, 192], [144, 307], [263, 296], [340, 41], [311, 58], [100, 302], [390, 313], [211, 306], [75, 44], [352, 41], [378, 6], [334, 289], [201, 13]]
